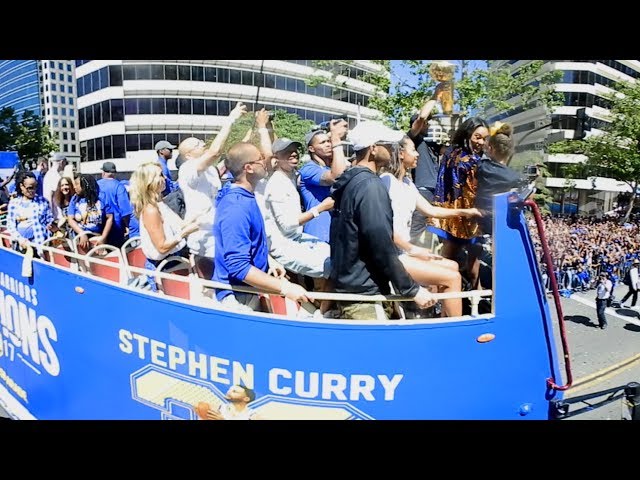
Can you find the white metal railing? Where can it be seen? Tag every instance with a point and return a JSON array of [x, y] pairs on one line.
[[198, 284]]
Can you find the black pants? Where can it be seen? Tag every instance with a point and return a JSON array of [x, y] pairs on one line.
[[601, 304], [634, 292]]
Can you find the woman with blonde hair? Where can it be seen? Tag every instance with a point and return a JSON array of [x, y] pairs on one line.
[[494, 175], [162, 231]]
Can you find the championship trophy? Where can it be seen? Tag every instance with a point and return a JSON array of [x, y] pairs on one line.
[[443, 73]]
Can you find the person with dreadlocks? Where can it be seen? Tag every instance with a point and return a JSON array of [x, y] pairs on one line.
[[89, 212]]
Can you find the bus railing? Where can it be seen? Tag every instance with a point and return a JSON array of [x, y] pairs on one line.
[[556, 298], [197, 284]]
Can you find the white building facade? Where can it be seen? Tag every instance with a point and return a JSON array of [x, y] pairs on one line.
[[583, 85], [126, 106]]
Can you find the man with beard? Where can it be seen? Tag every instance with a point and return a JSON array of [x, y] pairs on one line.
[[364, 258]]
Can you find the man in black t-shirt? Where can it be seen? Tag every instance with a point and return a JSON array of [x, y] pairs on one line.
[[425, 174]]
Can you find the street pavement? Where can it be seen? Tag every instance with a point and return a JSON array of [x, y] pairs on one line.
[[593, 350]]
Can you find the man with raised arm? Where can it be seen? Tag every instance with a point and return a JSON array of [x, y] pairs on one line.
[[326, 164], [241, 256], [200, 181], [364, 258], [53, 176]]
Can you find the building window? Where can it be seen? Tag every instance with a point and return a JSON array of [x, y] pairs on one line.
[[64, 124], [54, 98], [68, 67], [73, 148], [55, 110], [64, 135], [117, 112], [70, 100], [170, 72], [72, 123], [53, 75], [51, 64], [69, 79], [60, 66], [63, 111], [63, 99], [73, 136]]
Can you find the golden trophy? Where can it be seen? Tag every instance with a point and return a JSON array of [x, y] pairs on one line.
[[443, 72]]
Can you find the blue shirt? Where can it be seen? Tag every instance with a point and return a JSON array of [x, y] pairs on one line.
[[39, 178], [115, 196], [90, 219], [134, 226], [312, 193], [170, 184], [244, 243]]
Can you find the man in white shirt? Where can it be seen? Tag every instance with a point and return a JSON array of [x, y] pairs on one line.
[[238, 397], [633, 281], [199, 180], [296, 251], [53, 175], [603, 292]]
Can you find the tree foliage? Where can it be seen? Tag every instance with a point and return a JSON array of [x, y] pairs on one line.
[[476, 91], [26, 135], [616, 152], [285, 124]]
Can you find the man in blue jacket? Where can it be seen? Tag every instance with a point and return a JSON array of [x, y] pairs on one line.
[[241, 254]]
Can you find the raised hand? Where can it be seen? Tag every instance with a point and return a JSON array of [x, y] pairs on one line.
[[239, 110]]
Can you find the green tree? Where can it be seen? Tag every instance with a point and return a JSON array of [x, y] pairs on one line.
[[476, 90], [26, 135], [483, 89], [285, 124], [8, 127], [33, 138], [616, 152]]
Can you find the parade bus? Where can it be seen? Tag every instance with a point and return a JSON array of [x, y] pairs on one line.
[[79, 340]]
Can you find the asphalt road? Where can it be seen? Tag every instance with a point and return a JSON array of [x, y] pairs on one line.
[[604, 358]]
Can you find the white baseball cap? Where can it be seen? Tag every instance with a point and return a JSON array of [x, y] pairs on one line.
[[370, 132]]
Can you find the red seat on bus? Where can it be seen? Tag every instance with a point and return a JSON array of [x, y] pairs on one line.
[[107, 253], [171, 287]]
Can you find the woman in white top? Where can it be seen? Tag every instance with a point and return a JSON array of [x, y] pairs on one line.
[[424, 267], [162, 231]]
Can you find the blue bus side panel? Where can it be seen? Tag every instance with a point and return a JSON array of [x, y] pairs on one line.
[[108, 353]]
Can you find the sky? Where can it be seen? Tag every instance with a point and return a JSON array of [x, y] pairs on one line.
[[397, 68]]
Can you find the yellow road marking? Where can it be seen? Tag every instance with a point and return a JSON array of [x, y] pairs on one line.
[[602, 375]]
